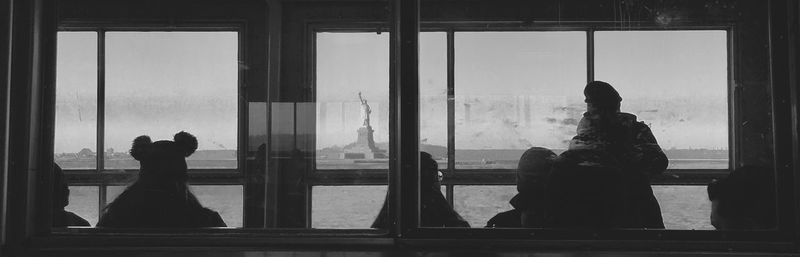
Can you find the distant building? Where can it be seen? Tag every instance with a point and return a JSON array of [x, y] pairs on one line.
[[86, 153]]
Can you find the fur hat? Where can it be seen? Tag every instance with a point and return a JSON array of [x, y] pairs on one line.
[[601, 93], [163, 158]]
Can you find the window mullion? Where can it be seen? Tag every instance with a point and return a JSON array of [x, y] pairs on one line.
[[589, 55], [451, 112], [101, 96]]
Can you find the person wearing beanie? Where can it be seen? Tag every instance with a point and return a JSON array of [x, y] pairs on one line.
[[532, 174], [604, 128], [61, 217], [160, 197]]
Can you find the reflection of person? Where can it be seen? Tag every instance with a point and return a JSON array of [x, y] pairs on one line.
[[604, 128], [365, 111], [743, 200], [436, 211], [532, 173], [160, 197], [61, 217]]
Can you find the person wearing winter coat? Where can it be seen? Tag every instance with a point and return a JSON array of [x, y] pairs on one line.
[[604, 128]]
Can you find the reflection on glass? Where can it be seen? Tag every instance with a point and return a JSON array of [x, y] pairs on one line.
[[228, 201], [76, 101], [83, 201], [478, 204], [352, 98], [345, 207], [160, 83], [684, 207], [676, 82], [515, 90]]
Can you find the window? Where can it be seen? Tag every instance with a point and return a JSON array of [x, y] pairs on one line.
[[147, 83], [295, 118], [512, 90]]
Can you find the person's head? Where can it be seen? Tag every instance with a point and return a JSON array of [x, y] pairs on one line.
[[429, 171], [533, 168], [60, 189], [601, 96], [164, 161], [743, 200]]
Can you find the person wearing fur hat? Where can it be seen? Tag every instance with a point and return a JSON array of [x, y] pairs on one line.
[[604, 128], [533, 172], [160, 197]]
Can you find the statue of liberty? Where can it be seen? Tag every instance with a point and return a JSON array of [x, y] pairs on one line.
[[365, 111]]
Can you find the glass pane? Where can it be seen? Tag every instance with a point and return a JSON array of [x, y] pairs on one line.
[[112, 192], [76, 100], [160, 83], [352, 94], [683, 96], [345, 206], [515, 90], [228, 201], [684, 207], [478, 204], [83, 201], [433, 95]]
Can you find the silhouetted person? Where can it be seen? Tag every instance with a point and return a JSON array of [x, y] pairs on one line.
[[436, 211], [585, 190], [604, 128], [744, 200], [532, 174], [160, 197], [61, 217]]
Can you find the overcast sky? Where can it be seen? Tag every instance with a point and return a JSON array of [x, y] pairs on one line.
[[521, 88]]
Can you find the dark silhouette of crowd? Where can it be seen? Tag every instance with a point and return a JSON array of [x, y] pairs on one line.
[[601, 181]]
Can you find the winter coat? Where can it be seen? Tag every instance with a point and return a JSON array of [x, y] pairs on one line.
[[141, 206], [637, 154]]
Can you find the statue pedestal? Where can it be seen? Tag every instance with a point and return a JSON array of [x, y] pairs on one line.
[[364, 148]]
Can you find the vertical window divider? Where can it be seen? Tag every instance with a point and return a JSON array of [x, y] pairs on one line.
[[451, 112], [101, 97], [590, 55]]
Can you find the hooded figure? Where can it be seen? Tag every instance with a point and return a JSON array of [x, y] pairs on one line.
[[533, 172], [160, 197], [630, 142], [436, 211]]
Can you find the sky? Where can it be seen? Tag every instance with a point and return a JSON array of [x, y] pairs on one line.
[[513, 89]]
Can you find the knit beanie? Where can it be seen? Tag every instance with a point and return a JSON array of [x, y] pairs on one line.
[[601, 94]]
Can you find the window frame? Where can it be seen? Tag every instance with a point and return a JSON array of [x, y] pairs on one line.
[[782, 240], [102, 177], [507, 177]]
